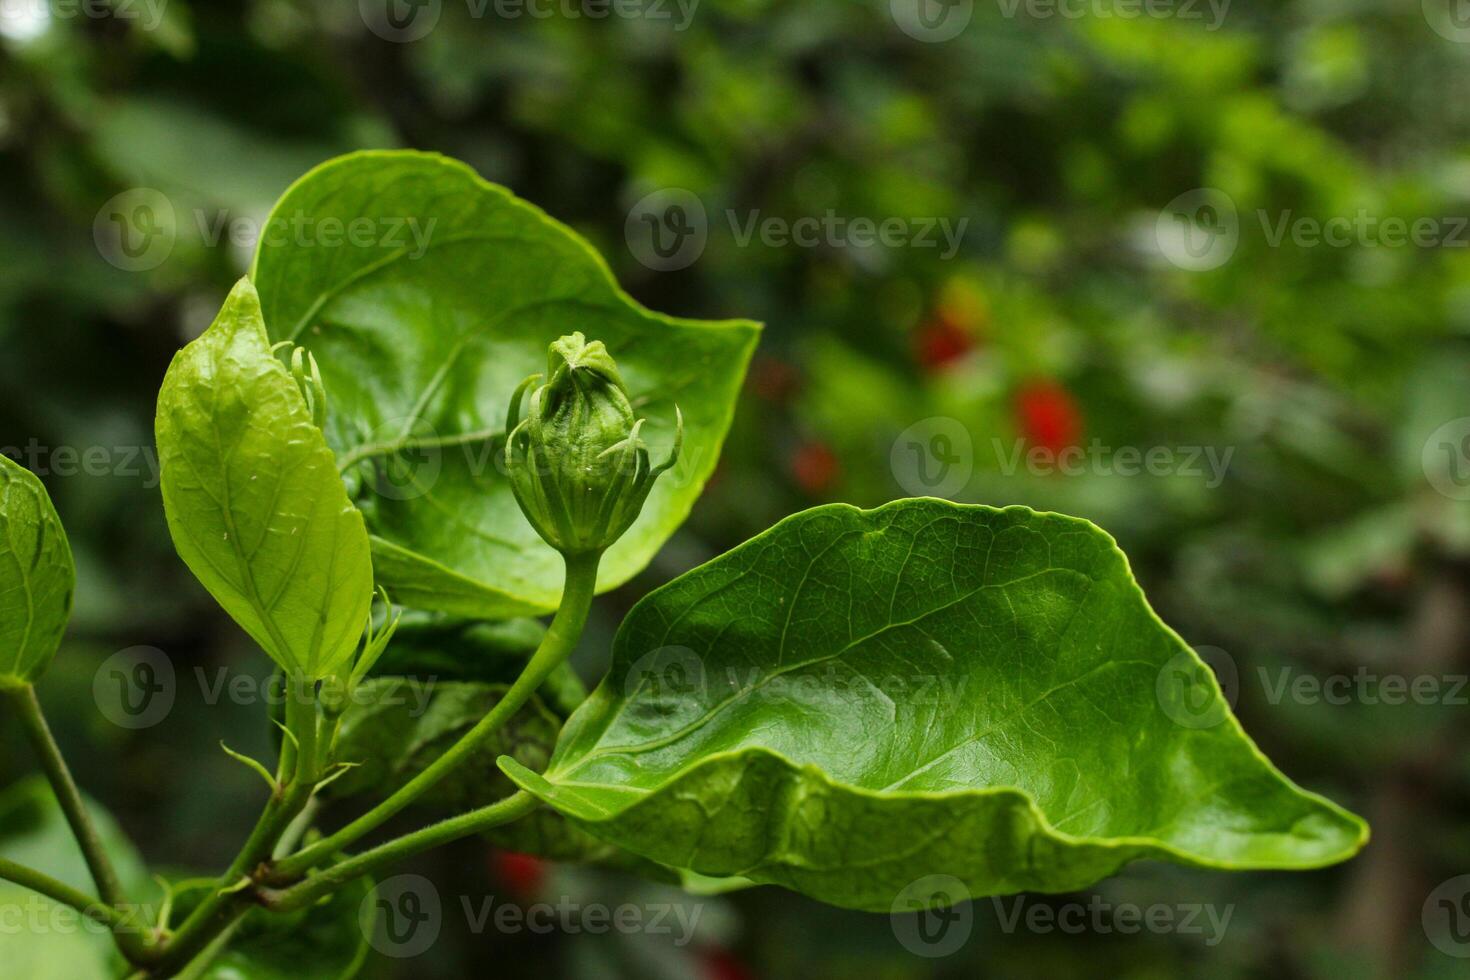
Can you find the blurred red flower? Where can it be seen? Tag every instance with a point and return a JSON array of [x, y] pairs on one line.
[[773, 379], [1047, 415], [522, 873], [941, 340], [721, 964], [815, 468]]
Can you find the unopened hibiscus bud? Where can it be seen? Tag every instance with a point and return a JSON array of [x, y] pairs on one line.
[[579, 469]]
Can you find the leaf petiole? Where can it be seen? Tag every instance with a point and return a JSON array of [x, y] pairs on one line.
[[43, 884], [334, 877], [561, 637]]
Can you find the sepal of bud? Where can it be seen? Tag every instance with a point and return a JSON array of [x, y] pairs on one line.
[[308, 378]]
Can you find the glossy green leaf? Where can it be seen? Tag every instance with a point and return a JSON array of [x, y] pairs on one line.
[[252, 496], [42, 939], [854, 700], [425, 320], [37, 578]]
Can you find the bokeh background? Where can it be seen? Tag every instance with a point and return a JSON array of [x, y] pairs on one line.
[[1137, 272]]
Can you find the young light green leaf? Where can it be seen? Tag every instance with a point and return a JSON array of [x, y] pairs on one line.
[[253, 499], [855, 700], [423, 322], [37, 578]]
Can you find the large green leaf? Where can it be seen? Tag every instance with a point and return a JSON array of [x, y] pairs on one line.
[[425, 321], [855, 700], [42, 939], [252, 495], [37, 578]]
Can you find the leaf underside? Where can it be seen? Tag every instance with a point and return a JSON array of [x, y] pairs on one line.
[[855, 700], [425, 327]]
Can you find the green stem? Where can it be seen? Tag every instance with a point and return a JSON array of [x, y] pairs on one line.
[[202, 962], [222, 908], [303, 721], [561, 637], [28, 707], [67, 794], [196, 935], [108, 915], [334, 877]]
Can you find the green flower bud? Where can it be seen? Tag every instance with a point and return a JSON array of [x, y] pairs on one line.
[[578, 467]]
